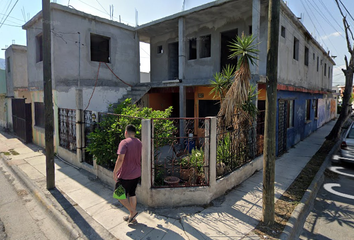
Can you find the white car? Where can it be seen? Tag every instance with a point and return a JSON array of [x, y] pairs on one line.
[[347, 146]]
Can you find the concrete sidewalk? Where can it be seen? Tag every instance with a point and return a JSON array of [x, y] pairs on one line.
[[233, 216]]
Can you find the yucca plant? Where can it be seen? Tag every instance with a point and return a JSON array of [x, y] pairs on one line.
[[244, 48], [222, 82]]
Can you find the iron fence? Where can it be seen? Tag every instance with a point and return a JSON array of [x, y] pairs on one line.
[[236, 144], [180, 152], [67, 128], [90, 123]]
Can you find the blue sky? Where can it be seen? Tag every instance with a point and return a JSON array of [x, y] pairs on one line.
[[320, 17]]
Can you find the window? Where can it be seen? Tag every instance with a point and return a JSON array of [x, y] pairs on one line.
[[39, 114], [282, 31], [8, 66], [306, 56], [192, 48], [318, 62], [159, 49], [39, 48], [308, 109], [250, 29], [99, 48], [325, 69], [290, 113], [329, 72], [296, 49], [315, 107], [313, 55], [205, 48]]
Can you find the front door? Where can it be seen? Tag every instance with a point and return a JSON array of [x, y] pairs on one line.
[[22, 119], [282, 126]]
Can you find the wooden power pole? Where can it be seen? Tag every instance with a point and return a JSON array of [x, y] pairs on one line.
[[271, 112], [48, 102]]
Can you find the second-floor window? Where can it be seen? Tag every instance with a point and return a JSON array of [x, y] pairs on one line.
[[39, 48], [318, 62], [306, 56], [296, 49], [100, 48], [192, 48], [282, 32], [325, 69], [205, 48]]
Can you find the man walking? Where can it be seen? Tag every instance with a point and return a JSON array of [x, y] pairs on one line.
[[127, 170]]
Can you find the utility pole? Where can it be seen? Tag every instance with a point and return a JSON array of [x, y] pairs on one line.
[[271, 112], [48, 102]]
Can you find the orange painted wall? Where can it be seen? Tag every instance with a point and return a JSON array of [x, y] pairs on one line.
[[262, 92], [160, 101]]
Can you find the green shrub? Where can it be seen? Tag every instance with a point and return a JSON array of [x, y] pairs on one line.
[[104, 140]]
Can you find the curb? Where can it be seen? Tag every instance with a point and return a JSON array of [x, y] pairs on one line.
[[300, 213], [55, 214]]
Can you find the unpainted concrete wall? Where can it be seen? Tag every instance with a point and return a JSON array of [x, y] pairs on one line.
[[295, 72], [17, 77], [201, 68]]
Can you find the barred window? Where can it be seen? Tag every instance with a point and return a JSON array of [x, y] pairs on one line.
[[39, 120]]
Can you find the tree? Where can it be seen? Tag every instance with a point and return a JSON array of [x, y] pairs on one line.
[[348, 73], [237, 95]]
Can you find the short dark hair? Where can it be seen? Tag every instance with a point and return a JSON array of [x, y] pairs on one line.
[[130, 128]]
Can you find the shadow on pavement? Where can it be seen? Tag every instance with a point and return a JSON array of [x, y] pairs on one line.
[[75, 215]]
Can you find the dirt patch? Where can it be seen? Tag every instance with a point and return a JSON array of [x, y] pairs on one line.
[[286, 204]]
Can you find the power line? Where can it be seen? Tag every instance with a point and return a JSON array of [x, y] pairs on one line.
[[102, 7], [315, 25], [9, 13], [324, 6], [6, 10], [346, 10], [325, 18]]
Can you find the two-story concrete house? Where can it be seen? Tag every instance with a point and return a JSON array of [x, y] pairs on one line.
[[18, 98], [187, 48], [94, 61]]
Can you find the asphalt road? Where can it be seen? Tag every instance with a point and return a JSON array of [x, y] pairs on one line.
[[333, 214], [21, 216]]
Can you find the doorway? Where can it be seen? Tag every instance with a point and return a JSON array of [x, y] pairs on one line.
[[173, 60], [226, 38]]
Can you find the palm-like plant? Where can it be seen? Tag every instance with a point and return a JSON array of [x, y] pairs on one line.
[[237, 95], [222, 82]]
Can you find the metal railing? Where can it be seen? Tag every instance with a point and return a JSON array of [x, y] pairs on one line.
[[180, 152], [67, 128], [236, 144]]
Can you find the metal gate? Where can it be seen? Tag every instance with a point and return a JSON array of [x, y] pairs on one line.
[[22, 119], [282, 128]]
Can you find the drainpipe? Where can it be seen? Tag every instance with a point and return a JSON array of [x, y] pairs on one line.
[[256, 20], [181, 70], [6, 114], [79, 113]]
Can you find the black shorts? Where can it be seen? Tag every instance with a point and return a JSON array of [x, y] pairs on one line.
[[129, 186]]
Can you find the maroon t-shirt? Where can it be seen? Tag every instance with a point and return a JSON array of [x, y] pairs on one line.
[[131, 167]]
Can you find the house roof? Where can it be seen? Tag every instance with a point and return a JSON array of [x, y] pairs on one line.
[[216, 10], [17, 47], [58, 7], [228, 9]]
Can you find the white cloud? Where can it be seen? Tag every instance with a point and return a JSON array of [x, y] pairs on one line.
[[335, 34]]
